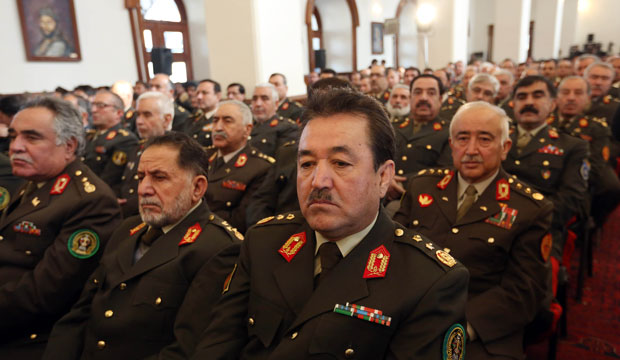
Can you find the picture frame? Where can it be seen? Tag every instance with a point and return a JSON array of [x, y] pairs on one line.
[[49, 30], [376, 38]]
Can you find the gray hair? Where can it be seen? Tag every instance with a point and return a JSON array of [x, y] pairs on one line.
[[484, 78], [575, 77], [246, 113], [605, 65], [475, 105], [401, 86], [165, 104], [274, 92], [67, 120], [510, 75]]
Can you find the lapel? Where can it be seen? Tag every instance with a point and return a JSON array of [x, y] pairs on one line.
[[448, 208], [486, 199], [424, 131], [535, 142], [221, 172], [346, 282]]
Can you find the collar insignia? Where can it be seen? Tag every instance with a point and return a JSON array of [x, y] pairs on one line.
[[446, 180], [502, 191], [191, 235], [60, 185], [377, 264], [241, 160], [292, 246], [136, 229]]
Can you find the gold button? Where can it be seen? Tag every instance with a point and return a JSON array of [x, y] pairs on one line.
[[1, 237], [28, 252], [207, 136], [158, 301], [399, 232], [263, 141], [228, 203], [349, 353], [400, 172], [135, 177], [545, 163], [409, 146], [294, 335], [251, 321], [528, 190], [227, 170], [122, 286], [123, 177], [491, 240], [428, 147], [78, 173], [33, 336], [517, 162], [195, 136], [98, 158], [511, 180], [108, 313], [100, 344], [415, 222], [380, 256], [211, 217], [131, 191], [404, 158], [455, 230], [95, 281]]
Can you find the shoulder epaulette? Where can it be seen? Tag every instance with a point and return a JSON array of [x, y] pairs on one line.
[[433, 172], [423, 244], [216, 220], [280, 219], [123, 132], [525, 190], [260, 155], [289, 143]]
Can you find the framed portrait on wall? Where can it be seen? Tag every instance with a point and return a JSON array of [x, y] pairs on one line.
[[376, 33], [49, 30]]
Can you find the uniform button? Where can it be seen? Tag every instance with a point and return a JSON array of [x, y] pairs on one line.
[[281, 177], [428, 147], [100, 344], [211, 217], [195, 136], [78, 173], [28, 252], [158, 301], [33, 336], [409, 146], [545, 163], [135, 177], [95, 281], [263, 141], [349, 353], [228, 203], [455, 230], [98, 158], [208, 136], [294, 335], [415, 222], [123, 177], [131, 191], [251, 321], [108, 313], [491, 240], [404, 158], [1, 237], [122, 286], [400, 172], [517, 162]]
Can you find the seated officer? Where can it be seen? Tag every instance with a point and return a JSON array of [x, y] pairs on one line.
[[301, 275], [399, 105], [54, 230], [108, 145], [270, 130], [236, 169], [208, 94], [552, 162], [487, 221], [128, 309], [286, 108], [154, 117]]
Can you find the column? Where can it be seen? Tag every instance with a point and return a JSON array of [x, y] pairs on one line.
[[511, 30]]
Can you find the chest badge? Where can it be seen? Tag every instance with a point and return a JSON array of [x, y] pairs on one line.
[[27, 227], [377, 264], [111, 135], [437, 126], [425, 200], [273, 123], [292, 246], [505, 218], [191, 234], [404, 123]]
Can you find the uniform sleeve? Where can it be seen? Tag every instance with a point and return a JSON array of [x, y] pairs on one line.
[[238, 214], [598, 143], [570, 195], [113, 170], [264, 201], [442, 306], [289, 133], [523, 287], [51, 288]]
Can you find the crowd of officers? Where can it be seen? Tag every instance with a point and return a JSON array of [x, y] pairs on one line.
[[124, 212]]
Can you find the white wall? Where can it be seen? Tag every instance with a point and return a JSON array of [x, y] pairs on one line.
[[195, 11], [482, 14], [337, 38], [600, 18], [569, 27], [105, 40], [409, 41]]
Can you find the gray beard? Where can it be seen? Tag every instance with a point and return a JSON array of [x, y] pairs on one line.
[[397, 112]]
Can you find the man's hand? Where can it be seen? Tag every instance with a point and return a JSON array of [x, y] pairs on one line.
[[396, 189], [121, 201]]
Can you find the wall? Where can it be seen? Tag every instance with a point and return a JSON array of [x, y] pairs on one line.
[[336, 26], [195, 11], [482, 14], [409, 40], [105, 42], [599, 17]]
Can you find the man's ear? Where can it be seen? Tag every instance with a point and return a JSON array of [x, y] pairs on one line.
[[386, 174], [199, 188]]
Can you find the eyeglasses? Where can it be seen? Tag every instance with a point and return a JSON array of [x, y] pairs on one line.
[[100, 105]]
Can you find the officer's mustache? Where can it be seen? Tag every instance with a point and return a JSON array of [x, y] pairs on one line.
[[471, 158], [145, 201], [422, 103], [529, 108], [319, 195], [221, 134], [24, 158]]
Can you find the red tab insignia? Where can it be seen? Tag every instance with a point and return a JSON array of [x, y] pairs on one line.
[[550, 119], [503, 190], [100, 149], [377, 263], [191, 235], [386, 95], [273, 122], [587, 138], [605, 152], [285, 106], [446, 180], [545, 246], [234, 185], [450, 100], [60, 185], [404, 123], [607, 99], [292, 246], [241, 160], [136, 229], [425, 200], [111, 135], [213, 157], [546, 174], [511, 104], [437, 126], [553, 134], [583, 122], [129, 114]]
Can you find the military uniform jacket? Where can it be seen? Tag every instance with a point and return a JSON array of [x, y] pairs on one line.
[[450, 107], [290, 110], [106, 154], [269, 135], [499, 241], [129, 187], [272, 310], [556, 165], [128, 310], [199, 128], [458, 92], [604, 107], [384, 97], [429, 147], [278, 191], [232, 184], [181, 116], [49, 245]]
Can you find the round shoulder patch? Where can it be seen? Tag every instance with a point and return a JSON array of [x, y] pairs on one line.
[[454, 343], [83, 243], [5, 198]]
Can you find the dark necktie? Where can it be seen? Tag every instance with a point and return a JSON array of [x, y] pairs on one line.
[[151, 235], [28, 190], [330, 255], [219, 162], [470, 197]]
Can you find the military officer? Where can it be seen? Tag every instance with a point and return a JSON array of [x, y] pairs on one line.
[[270, 130], [615, 87], [378, 84], [399, 105], [552, 162], [161, 82], [506, 82], [286, 108], [600, 76], [154, 118], [496, 229], [124, 90], [482, 87], [287, 302], [208, 95], [109, 144], [129, 306], [53, 232], [236, 169]]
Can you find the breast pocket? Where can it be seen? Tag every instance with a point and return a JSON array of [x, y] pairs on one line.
[[344, 337], [264, 319], [548, 166]]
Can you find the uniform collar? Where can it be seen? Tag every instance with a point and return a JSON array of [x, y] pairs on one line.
[[480, 186], [347, 244]]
